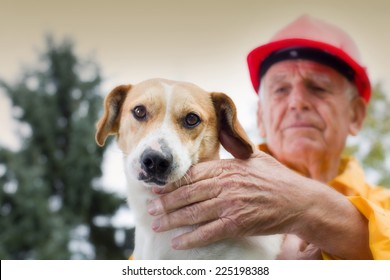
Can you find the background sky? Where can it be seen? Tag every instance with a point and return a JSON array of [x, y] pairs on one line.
[[201, 41]]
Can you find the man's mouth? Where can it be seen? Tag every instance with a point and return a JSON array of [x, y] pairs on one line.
[[302, 125]]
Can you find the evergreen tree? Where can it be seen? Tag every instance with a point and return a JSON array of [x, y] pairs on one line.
[[50, 196]]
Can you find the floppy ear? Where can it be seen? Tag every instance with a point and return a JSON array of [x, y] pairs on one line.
[[109, 122], [231, 134]]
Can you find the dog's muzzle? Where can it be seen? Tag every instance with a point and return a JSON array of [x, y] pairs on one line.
[[156, 166]]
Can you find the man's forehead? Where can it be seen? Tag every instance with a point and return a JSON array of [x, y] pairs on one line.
[[283, 71]]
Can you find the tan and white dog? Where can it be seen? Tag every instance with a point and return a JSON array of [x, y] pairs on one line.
[[163, 127]]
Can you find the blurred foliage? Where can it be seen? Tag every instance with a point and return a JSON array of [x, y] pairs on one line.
[[372, 145], [50, 196]]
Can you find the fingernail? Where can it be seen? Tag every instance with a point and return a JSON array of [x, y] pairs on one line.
[[156, 224], [152, 207], [175, 244], [157, 190]]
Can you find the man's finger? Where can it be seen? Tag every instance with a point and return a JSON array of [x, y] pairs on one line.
[[184, 196], [196, 173], [202, 236], [203, 171], [191, 215]]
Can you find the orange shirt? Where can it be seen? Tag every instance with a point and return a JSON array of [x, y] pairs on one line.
[[372, 202]]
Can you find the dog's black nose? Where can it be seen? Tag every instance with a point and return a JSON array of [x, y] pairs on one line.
[[155, 163]]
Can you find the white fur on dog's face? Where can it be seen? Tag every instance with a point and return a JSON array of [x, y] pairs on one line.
[[164, 131]]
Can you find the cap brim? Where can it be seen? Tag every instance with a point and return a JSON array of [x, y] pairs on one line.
[[257, 56]]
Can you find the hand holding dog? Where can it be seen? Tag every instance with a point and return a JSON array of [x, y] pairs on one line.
[[227, 200], [259, 196]]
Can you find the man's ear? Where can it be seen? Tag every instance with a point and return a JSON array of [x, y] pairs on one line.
[[231, 134], [357, 115], [109, 122]]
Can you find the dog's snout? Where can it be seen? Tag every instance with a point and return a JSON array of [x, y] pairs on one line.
[[156, 163]]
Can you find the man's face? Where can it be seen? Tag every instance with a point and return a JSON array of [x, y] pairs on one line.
[[305, 108]]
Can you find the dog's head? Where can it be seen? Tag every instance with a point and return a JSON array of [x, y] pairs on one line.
[[163, 127]]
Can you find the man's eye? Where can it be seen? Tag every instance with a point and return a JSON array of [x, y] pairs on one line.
[[281, 90], [317, 88], [191, 120], [139, 112]]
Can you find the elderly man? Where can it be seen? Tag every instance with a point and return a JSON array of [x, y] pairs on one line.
[[313, 93]]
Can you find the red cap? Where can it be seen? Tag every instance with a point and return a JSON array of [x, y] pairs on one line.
[[313, 33]]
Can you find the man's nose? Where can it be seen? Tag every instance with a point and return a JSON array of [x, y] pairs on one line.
[[299, 99]]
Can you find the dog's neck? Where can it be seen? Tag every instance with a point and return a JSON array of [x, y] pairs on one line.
[[150, 245]]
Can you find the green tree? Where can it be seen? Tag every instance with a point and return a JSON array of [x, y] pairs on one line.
[[51, 198], [372, 145]]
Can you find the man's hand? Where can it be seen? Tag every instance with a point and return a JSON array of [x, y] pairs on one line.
[[260, 196], [230, 198]]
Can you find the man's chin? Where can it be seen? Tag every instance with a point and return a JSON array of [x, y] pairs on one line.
[[300, 148]]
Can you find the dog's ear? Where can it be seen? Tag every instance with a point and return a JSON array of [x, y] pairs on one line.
[[109, 122], [231, 134]]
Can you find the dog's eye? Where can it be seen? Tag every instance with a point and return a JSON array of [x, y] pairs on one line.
[[191, 120], [139, 112]]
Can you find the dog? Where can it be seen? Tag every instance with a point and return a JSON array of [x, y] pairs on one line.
[[164, 127]]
